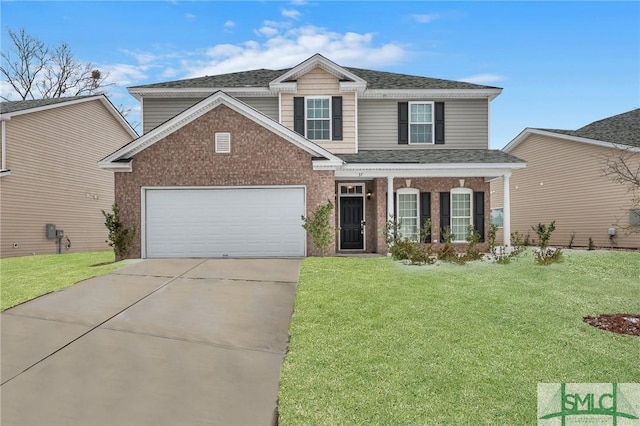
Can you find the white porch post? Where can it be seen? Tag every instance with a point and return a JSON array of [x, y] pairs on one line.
[[506, 210], [390, 198]]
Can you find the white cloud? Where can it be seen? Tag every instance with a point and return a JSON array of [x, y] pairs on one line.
[[190, 16], [125, 74], [268, 31], [299, 2], [229, 24], [286, 48], [483, 78], [291, 13], [424, 18]]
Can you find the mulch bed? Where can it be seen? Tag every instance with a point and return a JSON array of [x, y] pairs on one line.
[[616, 323]]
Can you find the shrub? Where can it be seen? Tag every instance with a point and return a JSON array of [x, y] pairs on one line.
[[318, 225], [120, 237], [592, 246], [447, 252], [572, 236], [519, 240], [472, 252], [544, 233], [547, 255]]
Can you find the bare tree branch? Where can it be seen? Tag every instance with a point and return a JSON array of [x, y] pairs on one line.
[[34, 70], [623, 167]]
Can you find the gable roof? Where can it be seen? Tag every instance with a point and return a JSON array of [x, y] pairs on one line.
[[621, 130], [10, 109], [270, 81], [120, 160]]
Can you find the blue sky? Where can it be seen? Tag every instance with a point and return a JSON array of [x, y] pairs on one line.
[[561, 64]]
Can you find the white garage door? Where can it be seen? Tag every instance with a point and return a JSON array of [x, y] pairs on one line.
[[248, 222]]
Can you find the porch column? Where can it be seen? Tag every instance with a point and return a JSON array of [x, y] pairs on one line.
[[506, 210], [390, 198]]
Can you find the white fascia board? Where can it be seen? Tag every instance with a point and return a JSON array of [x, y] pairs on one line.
[[194, 92], [326, 164], [318, 60], [116, 167], [432, 93], [352, 86], [288, 87], [467, 170], [529, 131]]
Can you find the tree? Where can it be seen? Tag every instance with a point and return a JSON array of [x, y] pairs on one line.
[[318, 225], [623, 167], [35, 70]]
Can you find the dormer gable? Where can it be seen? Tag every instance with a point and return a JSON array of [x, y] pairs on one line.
[[348, 81]]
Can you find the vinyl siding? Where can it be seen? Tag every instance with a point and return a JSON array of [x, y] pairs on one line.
[[563, 182], [466, 124], [318, 82], [55, 178], [158, 110]]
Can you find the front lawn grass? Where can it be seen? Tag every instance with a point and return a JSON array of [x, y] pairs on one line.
[[378, 343], [24, 278]]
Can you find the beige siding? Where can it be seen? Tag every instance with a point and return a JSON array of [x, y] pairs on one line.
[[55, 178], [466, 124], [563, 182], [156, 111], [320, 83]]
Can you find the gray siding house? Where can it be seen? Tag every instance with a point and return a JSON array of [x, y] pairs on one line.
[[381, 146]]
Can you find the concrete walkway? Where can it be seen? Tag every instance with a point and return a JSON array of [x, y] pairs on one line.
[[159, 342]]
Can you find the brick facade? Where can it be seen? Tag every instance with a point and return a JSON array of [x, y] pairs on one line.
[[187, 157]]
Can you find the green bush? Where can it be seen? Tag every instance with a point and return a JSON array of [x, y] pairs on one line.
[[318, 225], [120, 238], [547, 255]]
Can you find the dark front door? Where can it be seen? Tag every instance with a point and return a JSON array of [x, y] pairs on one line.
[[351, 223]]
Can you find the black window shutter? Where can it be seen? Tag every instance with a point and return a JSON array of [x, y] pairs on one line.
[[336, 118], [439, 122], [478, 213], [425, 212], [445, 213], [298, 115], [403, 122]]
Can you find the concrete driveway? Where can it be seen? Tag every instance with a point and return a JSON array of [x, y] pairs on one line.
[[174, 342]]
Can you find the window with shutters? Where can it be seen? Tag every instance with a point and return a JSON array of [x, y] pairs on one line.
[[420, 122], [461, 213], [318, 118], [408, 212]]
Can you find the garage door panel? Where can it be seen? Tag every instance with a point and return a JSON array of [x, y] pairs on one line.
[[248, 222]]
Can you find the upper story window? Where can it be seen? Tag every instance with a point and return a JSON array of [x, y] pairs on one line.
[[420, 122], [318, 118]]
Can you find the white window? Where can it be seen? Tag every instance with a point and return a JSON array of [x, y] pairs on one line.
[[420, 122], [408, 213], [497, 218], [318, 117], [461, 210], [223, 142]]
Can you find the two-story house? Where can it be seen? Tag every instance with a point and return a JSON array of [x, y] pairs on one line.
[[49, 174], [228, 164]]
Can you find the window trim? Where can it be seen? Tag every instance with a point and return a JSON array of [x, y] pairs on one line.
[[416, 193], [329, 119], [433, 122], [460, 191]]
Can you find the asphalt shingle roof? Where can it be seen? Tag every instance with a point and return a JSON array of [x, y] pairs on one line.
[[622, 129], [13, 106], [430, 156], [262, 78]]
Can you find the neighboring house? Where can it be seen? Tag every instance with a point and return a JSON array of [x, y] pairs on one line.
[[50, 150], [229, 163], [564, 182]]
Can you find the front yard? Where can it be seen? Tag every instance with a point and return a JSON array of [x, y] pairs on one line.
[[23, 278], [376, 342]]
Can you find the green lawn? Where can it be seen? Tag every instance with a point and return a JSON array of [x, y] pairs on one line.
[[377, 342], [23, 278]]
